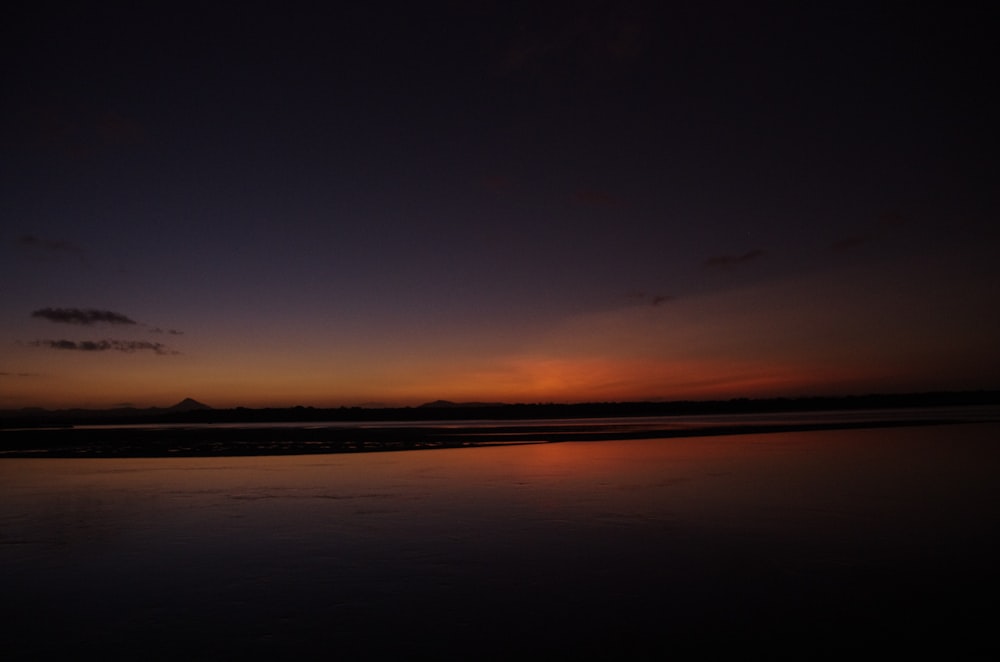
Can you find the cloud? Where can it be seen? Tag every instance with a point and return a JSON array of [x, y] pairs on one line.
[[54, 245], [18, 374], [650, 299], [733, 260], [43, 249], [92, 316], [82, 316], [126, 346], [173, 332]]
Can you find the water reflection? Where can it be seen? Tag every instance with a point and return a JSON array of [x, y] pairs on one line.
[[642, 547]]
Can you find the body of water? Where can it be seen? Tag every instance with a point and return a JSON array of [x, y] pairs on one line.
[[798, 544]]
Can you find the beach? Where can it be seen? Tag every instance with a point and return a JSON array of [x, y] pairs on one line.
[[291, 437], [823, 543]]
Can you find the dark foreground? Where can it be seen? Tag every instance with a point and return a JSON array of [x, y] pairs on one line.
[[821, 544], [292, 439]]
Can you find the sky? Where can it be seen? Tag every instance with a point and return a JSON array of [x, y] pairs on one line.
[[341, 204]]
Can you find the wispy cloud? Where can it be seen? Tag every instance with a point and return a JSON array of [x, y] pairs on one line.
[[82, 316], [105, 345], [172, 332], [651, 299], [18, 374], [733, 260], [47, 244], [95, 316]]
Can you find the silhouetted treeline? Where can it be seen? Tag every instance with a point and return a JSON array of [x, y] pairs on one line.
[[447, 411]]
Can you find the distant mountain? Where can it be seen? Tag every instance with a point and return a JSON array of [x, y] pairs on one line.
[[189, 404], [192, 411]]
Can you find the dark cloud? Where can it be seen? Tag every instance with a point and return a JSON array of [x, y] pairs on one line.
[[42, 249], [173, 332], [83, 316], [18, 374], [733, 260], [127, 346], [54, 245], [651, 299], [91, 316]]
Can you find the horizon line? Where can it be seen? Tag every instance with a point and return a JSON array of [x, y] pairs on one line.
[[444, 403]]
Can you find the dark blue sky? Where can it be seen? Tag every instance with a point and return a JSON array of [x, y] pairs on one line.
[[561, 201]]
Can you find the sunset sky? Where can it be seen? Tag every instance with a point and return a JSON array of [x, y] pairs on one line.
[[325, 204]]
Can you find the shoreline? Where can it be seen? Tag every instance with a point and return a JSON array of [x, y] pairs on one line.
[[235, 441]]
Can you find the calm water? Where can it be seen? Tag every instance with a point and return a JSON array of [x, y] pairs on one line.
[[967, 413], [802, 544]]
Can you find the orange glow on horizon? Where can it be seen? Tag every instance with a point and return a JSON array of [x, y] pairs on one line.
[[528, 380]]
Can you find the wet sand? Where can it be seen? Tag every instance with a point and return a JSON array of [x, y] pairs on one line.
[[292, 439]]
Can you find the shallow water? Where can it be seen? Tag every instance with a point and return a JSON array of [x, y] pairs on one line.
[[847, 539]]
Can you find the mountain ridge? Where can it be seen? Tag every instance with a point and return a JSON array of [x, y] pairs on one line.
[[190, 410], [189, 404]]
